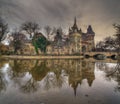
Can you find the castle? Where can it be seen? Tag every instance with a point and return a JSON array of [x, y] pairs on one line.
[[76, 42]]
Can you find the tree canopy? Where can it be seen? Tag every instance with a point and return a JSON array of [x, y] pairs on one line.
[[31, 28], [3, 28], [111, 42], [18, 41], [40, 42]]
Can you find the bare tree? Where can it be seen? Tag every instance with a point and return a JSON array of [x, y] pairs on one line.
[[3, 28], [18, 41], [3, 82], [31, 28], [110, 43], [60, 31], [49, 31], [117, 37], [100, 46], [114, 42]]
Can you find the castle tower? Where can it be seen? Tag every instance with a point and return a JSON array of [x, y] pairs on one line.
[[75, 38], [90, 30], [91, 34]]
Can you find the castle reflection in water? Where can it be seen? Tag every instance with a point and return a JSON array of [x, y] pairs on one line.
[[28, 74]]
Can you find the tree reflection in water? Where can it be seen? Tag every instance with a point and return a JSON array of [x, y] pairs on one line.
[[3, 81], [112, 72], [30, 86], [116, 75], [31, 75]]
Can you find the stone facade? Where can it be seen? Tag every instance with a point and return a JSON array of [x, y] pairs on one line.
[[28, 49], [76, 42]]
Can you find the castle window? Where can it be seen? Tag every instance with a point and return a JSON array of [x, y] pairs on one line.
[[83, 49], [72, 50], [47, 50]]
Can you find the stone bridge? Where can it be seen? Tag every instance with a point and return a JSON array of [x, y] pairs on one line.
[[103, 53]]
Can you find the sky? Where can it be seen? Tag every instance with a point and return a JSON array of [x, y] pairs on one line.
[[101, 14]]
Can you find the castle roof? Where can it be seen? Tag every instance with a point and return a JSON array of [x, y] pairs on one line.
[[90, 30]]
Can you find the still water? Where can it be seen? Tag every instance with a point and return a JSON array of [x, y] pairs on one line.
[[59, 82]]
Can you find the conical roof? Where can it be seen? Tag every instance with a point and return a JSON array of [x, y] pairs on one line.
[[90, 30]]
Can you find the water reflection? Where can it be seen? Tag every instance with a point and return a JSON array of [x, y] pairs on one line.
[[50, 76], [55, 73], [112, 72]]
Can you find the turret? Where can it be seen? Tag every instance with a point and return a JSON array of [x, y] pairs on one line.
[[90, 30], [91, 34]]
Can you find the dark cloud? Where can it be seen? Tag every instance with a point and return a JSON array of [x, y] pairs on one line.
[[101, 14]]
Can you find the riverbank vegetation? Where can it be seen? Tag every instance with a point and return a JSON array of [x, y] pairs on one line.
[[29, 32], [111, 43]]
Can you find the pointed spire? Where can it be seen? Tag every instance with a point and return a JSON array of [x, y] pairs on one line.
[[75, 91], [74, 86], [75, 21], [75, 27]]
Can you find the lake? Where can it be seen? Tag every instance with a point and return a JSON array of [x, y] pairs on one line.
[[59, 82]]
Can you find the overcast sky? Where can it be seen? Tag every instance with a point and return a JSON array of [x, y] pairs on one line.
[[101, 14]]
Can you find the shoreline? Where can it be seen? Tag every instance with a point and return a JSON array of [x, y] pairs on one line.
[[40, 57], [14, 57]]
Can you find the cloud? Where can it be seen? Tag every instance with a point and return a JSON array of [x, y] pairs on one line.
[[101, 14]]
